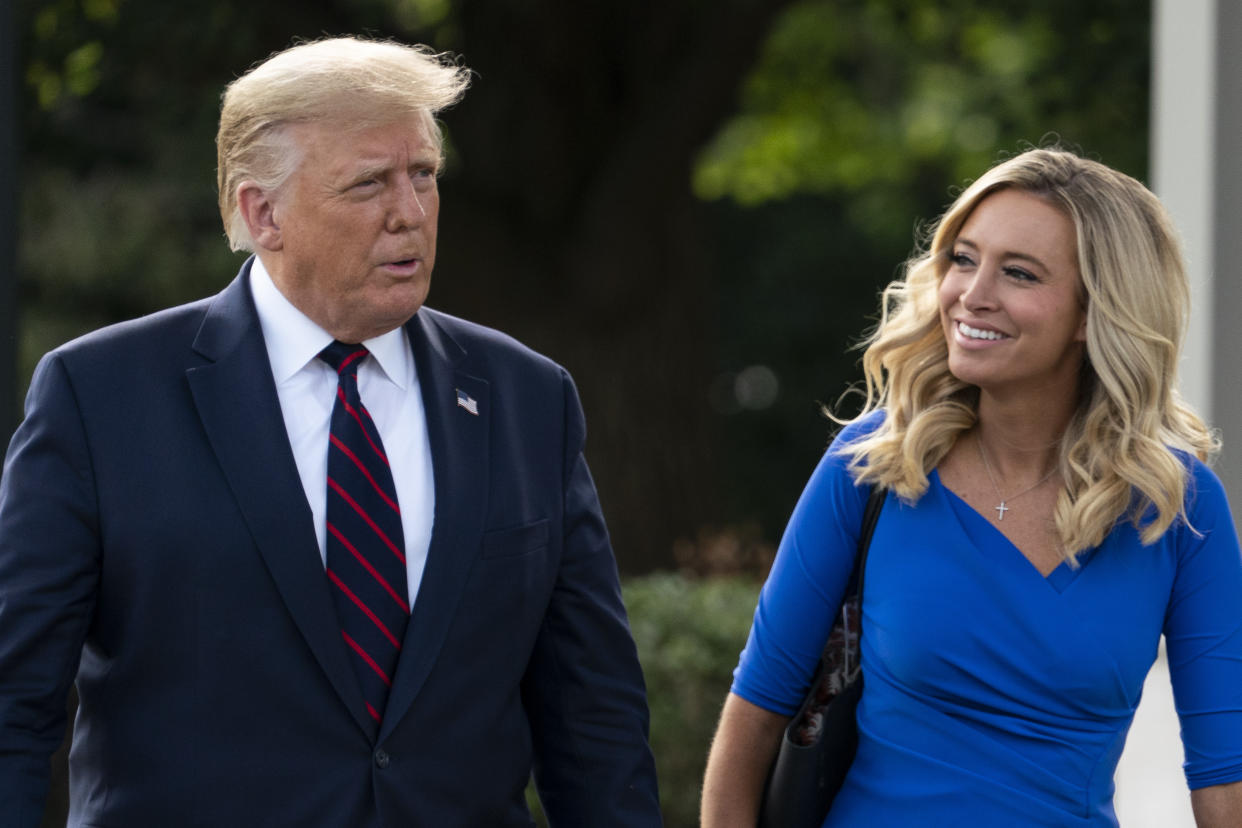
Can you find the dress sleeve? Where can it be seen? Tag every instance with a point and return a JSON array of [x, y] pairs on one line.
[[1203, 629], [803, 591]]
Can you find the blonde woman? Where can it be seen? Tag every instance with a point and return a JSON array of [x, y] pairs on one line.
[[1049, 516]]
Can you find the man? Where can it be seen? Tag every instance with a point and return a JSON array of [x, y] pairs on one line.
[[318, 555]]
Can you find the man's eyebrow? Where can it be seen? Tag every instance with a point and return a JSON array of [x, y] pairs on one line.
[[367, 168]]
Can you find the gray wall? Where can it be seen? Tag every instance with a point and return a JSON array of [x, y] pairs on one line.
[[1196, 169], [1227, 251]]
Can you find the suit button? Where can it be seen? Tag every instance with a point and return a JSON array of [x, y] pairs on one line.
[[381, 759]]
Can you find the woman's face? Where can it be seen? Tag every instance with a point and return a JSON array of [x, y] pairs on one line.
[[1011, 300]]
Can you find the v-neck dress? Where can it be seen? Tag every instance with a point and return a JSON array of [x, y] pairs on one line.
[[995, 696]]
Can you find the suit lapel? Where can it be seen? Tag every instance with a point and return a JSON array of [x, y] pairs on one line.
[[237, 403], [458, 415]]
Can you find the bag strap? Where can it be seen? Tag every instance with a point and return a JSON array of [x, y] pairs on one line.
[[871, 515]]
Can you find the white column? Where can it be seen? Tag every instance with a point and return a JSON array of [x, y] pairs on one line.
[[1196, 130], [1183, 150], [1196, 169]]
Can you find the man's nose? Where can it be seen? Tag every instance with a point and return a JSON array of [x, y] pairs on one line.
[[407, 209]]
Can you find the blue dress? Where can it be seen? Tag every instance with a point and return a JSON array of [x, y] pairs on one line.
[[994, 696]]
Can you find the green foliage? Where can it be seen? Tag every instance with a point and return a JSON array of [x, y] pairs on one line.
[[865, 99], [112, 245], [689, 633], [857, 124], [68, 48], [858, 119], [420, 14]]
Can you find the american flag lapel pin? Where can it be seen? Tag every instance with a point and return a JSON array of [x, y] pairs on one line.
[[467, 402]]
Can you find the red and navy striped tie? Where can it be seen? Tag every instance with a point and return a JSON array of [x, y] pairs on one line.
[[366, 546]]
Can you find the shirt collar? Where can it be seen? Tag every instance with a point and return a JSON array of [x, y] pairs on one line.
[[294, 340]]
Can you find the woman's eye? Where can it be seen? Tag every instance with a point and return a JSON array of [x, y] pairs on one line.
[[1020, 274], [960, 259]]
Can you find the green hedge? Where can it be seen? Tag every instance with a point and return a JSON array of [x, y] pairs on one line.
[[689, 632]]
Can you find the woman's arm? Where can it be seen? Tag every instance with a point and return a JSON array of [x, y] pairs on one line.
[[742, 752], [1203, 633], [1218, 806]]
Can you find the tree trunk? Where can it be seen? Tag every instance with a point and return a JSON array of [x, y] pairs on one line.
[[568, 221]]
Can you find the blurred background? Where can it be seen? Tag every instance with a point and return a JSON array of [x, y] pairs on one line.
[[691, 204]]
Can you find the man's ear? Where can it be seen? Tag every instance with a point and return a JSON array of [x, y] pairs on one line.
[[258, 210]]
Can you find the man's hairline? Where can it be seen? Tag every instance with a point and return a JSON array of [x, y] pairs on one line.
[[282, 132]]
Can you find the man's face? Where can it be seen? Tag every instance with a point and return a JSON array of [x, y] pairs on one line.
[[354, 237]]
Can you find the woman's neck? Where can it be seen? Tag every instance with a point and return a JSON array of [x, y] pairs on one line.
[[1022, 438]]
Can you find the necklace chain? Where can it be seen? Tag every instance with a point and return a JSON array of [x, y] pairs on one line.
[[1002, 508]]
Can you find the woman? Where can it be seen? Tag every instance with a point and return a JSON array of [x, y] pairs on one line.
[[1049, 515]]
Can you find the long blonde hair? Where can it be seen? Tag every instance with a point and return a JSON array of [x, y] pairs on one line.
[[1117, 454]]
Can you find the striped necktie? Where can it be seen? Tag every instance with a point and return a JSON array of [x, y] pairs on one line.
[[365, 542]]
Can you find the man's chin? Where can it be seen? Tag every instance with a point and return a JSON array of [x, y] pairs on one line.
[[379, 321]]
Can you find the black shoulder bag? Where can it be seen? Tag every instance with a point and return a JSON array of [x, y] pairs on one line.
[[819, 744]]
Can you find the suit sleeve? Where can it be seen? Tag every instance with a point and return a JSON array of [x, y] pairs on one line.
[[48, 576], [584, 688]]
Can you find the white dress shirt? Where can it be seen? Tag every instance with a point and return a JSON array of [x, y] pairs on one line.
[[388, 385]]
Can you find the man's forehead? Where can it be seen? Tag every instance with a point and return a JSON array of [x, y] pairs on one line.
[[353, 143]]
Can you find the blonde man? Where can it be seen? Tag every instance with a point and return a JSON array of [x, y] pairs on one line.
[[317, 554]]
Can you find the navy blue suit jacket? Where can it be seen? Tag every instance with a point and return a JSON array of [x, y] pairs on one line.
[[155, 542]]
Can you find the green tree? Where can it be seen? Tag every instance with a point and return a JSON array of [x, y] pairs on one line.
[[607, 200], [860, 121], [568, 218], [691, 204]]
